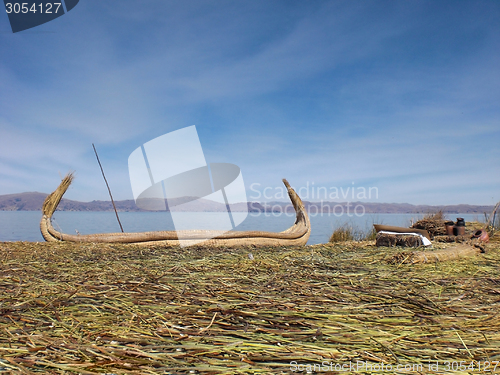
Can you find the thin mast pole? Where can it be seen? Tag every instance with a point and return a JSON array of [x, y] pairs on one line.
[[109, 190], [492, 216]]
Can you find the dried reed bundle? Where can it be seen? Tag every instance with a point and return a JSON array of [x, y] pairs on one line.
[[390, 240], [434, 224], [451, 253], [53, 200]]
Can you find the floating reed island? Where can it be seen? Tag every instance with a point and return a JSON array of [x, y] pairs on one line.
[[87, 308]]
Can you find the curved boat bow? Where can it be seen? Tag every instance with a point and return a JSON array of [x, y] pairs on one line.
[[296, 235]]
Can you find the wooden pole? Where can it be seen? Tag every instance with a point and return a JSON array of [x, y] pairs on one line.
[[492, 216], [109, 190]]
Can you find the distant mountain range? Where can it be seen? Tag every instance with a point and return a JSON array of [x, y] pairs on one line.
[[34, 201]]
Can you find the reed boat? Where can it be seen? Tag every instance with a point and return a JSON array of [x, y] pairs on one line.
[[296, 235]]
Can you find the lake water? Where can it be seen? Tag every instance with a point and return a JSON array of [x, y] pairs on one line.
[[24, 225]]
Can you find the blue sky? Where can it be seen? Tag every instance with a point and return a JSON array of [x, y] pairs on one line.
[[403, 96]]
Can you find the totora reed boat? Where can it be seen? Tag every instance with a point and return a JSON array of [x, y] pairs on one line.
[[296, 235]]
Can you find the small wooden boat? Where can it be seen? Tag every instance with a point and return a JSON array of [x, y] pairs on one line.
[[296, 235]]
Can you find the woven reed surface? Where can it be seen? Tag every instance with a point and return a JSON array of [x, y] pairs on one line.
[[88, 308]]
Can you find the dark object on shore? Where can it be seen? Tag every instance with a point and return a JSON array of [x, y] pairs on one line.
[[459, 229], [479, 235], [296, 235], [449, 227], [482, 235], [391, 240]]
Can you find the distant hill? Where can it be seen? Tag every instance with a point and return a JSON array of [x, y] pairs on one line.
[[22, 201], [33, 202], [369, 207]]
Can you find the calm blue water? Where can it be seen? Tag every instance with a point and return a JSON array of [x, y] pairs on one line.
[[24, 225]]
